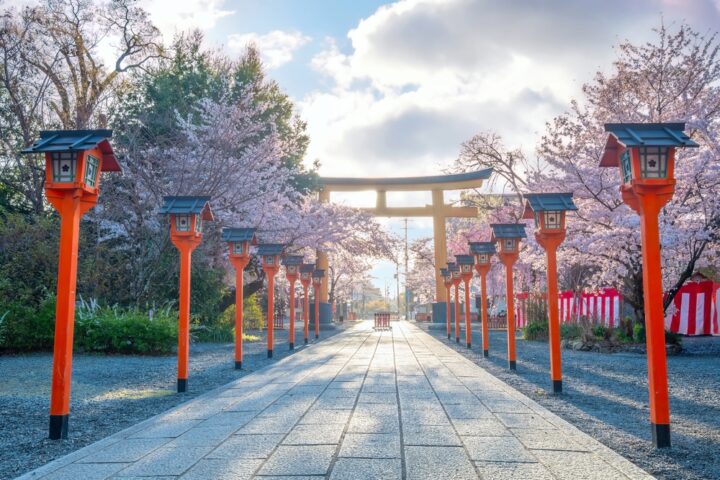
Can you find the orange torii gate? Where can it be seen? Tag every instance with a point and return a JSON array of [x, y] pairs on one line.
[[438, 210]]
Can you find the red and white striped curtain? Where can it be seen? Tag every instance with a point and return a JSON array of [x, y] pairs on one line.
[[695, 309], [604, 306]]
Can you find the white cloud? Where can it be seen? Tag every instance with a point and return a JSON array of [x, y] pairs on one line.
[[422, 76], [276, 47], [172, 16]]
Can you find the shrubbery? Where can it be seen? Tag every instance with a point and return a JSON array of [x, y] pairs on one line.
[[536, 330], [24, 327]]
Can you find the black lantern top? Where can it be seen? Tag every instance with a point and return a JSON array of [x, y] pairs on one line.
[[465, 259], [239, 235], [294, 260], [318, 274], [187, 205], [548, 209], [508, 230], [628, 135], [307, 268], [77, 141], [482, 248]]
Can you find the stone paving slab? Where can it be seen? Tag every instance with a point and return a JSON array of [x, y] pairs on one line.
[[360, 405]]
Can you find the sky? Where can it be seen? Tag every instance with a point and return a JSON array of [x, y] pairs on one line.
[[394, 88]]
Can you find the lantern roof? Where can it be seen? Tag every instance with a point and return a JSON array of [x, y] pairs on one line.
[[307, 268], [185, 205], [626, 135], [318, 273], [239, 235], [77, 141], [465, 259], [444, 272], [482, 247], [542, 202], [452, 267], [270, 248], [508, 230], [292, 260]]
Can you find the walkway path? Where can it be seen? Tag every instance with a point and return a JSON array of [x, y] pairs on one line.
[[359, 405]]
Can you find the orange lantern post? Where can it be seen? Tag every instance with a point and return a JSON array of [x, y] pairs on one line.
[[73, 162], [645, 154], [447, 281], [306, 271], [508, 236], [483, 251], [240, 241], [317, 277], [292, 269], [186, 218], [270, 257], [548, 210], [454, 270], [465, 262]]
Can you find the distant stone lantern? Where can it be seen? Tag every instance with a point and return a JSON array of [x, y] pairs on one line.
[[73, 162], [447, 281], [269, 254], [240, 242], [317, 277], [306, 271], [292, 270], [645, 155], [186, 216], [508, 236], [465, 262], [548, 210], [483, 252], [456, 275]]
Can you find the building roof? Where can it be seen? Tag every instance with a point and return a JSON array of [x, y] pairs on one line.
[[239, 235], [465, 259], [270, 248], [625, 135], [508, 230], [77, 141], [482, 247], [180, 205], [292, 260], [456, 181], [541, 202], [307, 268]]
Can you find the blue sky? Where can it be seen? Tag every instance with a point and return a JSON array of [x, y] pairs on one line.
[[394, 88]]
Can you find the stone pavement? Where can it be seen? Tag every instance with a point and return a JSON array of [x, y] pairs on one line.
[[359, 405]]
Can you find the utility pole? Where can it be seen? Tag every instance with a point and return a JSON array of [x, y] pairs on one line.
[[397, 279], [407, 306]]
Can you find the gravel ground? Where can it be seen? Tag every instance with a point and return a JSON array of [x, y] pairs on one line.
[[109, 393], [606, 396]]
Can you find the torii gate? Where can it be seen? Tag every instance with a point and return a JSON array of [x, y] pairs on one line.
[[438, 210]]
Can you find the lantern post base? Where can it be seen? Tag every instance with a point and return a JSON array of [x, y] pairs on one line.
[[512, 365], [306, 341], [270, 352], [292, 346], [238, 365], [557, 386], [486, 353], [182, 385], [59, 427], [660, 435], [469, 345]]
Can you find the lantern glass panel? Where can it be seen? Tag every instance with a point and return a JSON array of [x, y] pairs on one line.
[[305, 276], [291, 269], [553, 220], [466, 268], [92, 165], [63, 167], [483, 258], [509, 244], [625, 167], [238, 248], [182, 223], [653, 162], [198, 223], [269, 260], [536, 216]]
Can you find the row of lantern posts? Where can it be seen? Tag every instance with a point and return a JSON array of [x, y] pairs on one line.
[[645, 156], [644, 153], [74, 160]]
